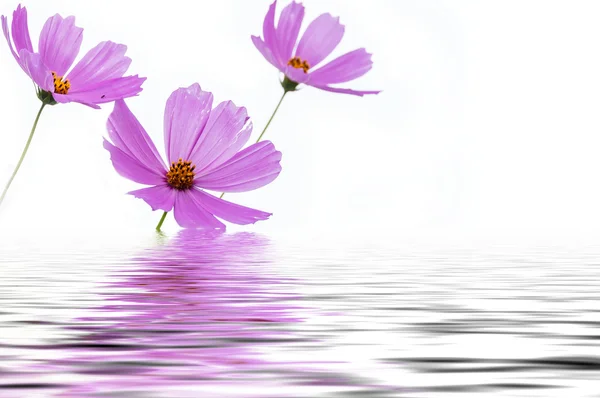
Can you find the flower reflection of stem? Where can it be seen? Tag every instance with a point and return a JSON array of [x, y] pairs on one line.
[[12, 177], [162, 220], [268, 123], [161, 238]]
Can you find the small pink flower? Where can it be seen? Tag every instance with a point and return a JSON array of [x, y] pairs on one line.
[[97, 78], [301, 63], [204, 151]]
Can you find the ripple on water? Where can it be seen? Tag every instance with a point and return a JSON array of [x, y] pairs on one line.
[[236, 315]]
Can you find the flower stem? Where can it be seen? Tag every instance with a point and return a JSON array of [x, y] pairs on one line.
[[272, 116], [12, 177], [268, 123], [162, 220]]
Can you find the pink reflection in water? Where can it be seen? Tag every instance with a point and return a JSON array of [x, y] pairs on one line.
[[193, 318]]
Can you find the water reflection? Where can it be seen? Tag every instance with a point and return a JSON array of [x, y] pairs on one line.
[[212, 316], [188, 318], [195, 309]]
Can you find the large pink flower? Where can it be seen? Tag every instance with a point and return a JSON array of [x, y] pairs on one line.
[[300, 63], [203, 147], [97, 78]]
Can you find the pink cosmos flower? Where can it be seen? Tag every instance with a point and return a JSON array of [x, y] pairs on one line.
[[97, 78], [300, 63], [203, 148]]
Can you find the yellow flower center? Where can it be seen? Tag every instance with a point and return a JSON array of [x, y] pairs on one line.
[[181, 175], [298, 63], [61, 86]]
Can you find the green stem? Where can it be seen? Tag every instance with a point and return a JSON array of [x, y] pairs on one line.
[[268, 123], [162, 220], [272, 116], [37, 118]]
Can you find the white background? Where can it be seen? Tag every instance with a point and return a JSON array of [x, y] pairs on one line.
[[487, 128]]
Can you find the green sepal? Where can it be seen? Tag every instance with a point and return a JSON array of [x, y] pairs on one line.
[[46, 97], [288, 85]]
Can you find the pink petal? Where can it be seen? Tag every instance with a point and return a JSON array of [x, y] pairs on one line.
[[20, 30], [345, 90], [227, 131], [33, 65], [104, 91], [104, 62], [252, 168], [160, 197], [296, 75], [270, 34], [186, 114], [230, 211], [320, 38], [288, 28], [189, 213], [127, 134], [343, 69], [132, 168], [7, 36], [267, 53], [60, 41], [81, 99]]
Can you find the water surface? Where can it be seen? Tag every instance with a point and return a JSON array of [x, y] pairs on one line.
[[243, 315]]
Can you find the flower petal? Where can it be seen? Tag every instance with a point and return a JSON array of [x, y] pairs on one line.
[[266, 52], [296, 75], [19, 24], [227, 131], [104, 91], [132, 168], [20, 30], [228, 211], [186, 114], [270, 34], [7, 36], [33, 65], [320, 38], [60, 41], [127, 134], [160, 197], [288, 28], [104, 62], [345, 90], [252, 168], [189, 213], [81, 99], [344, 68]]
